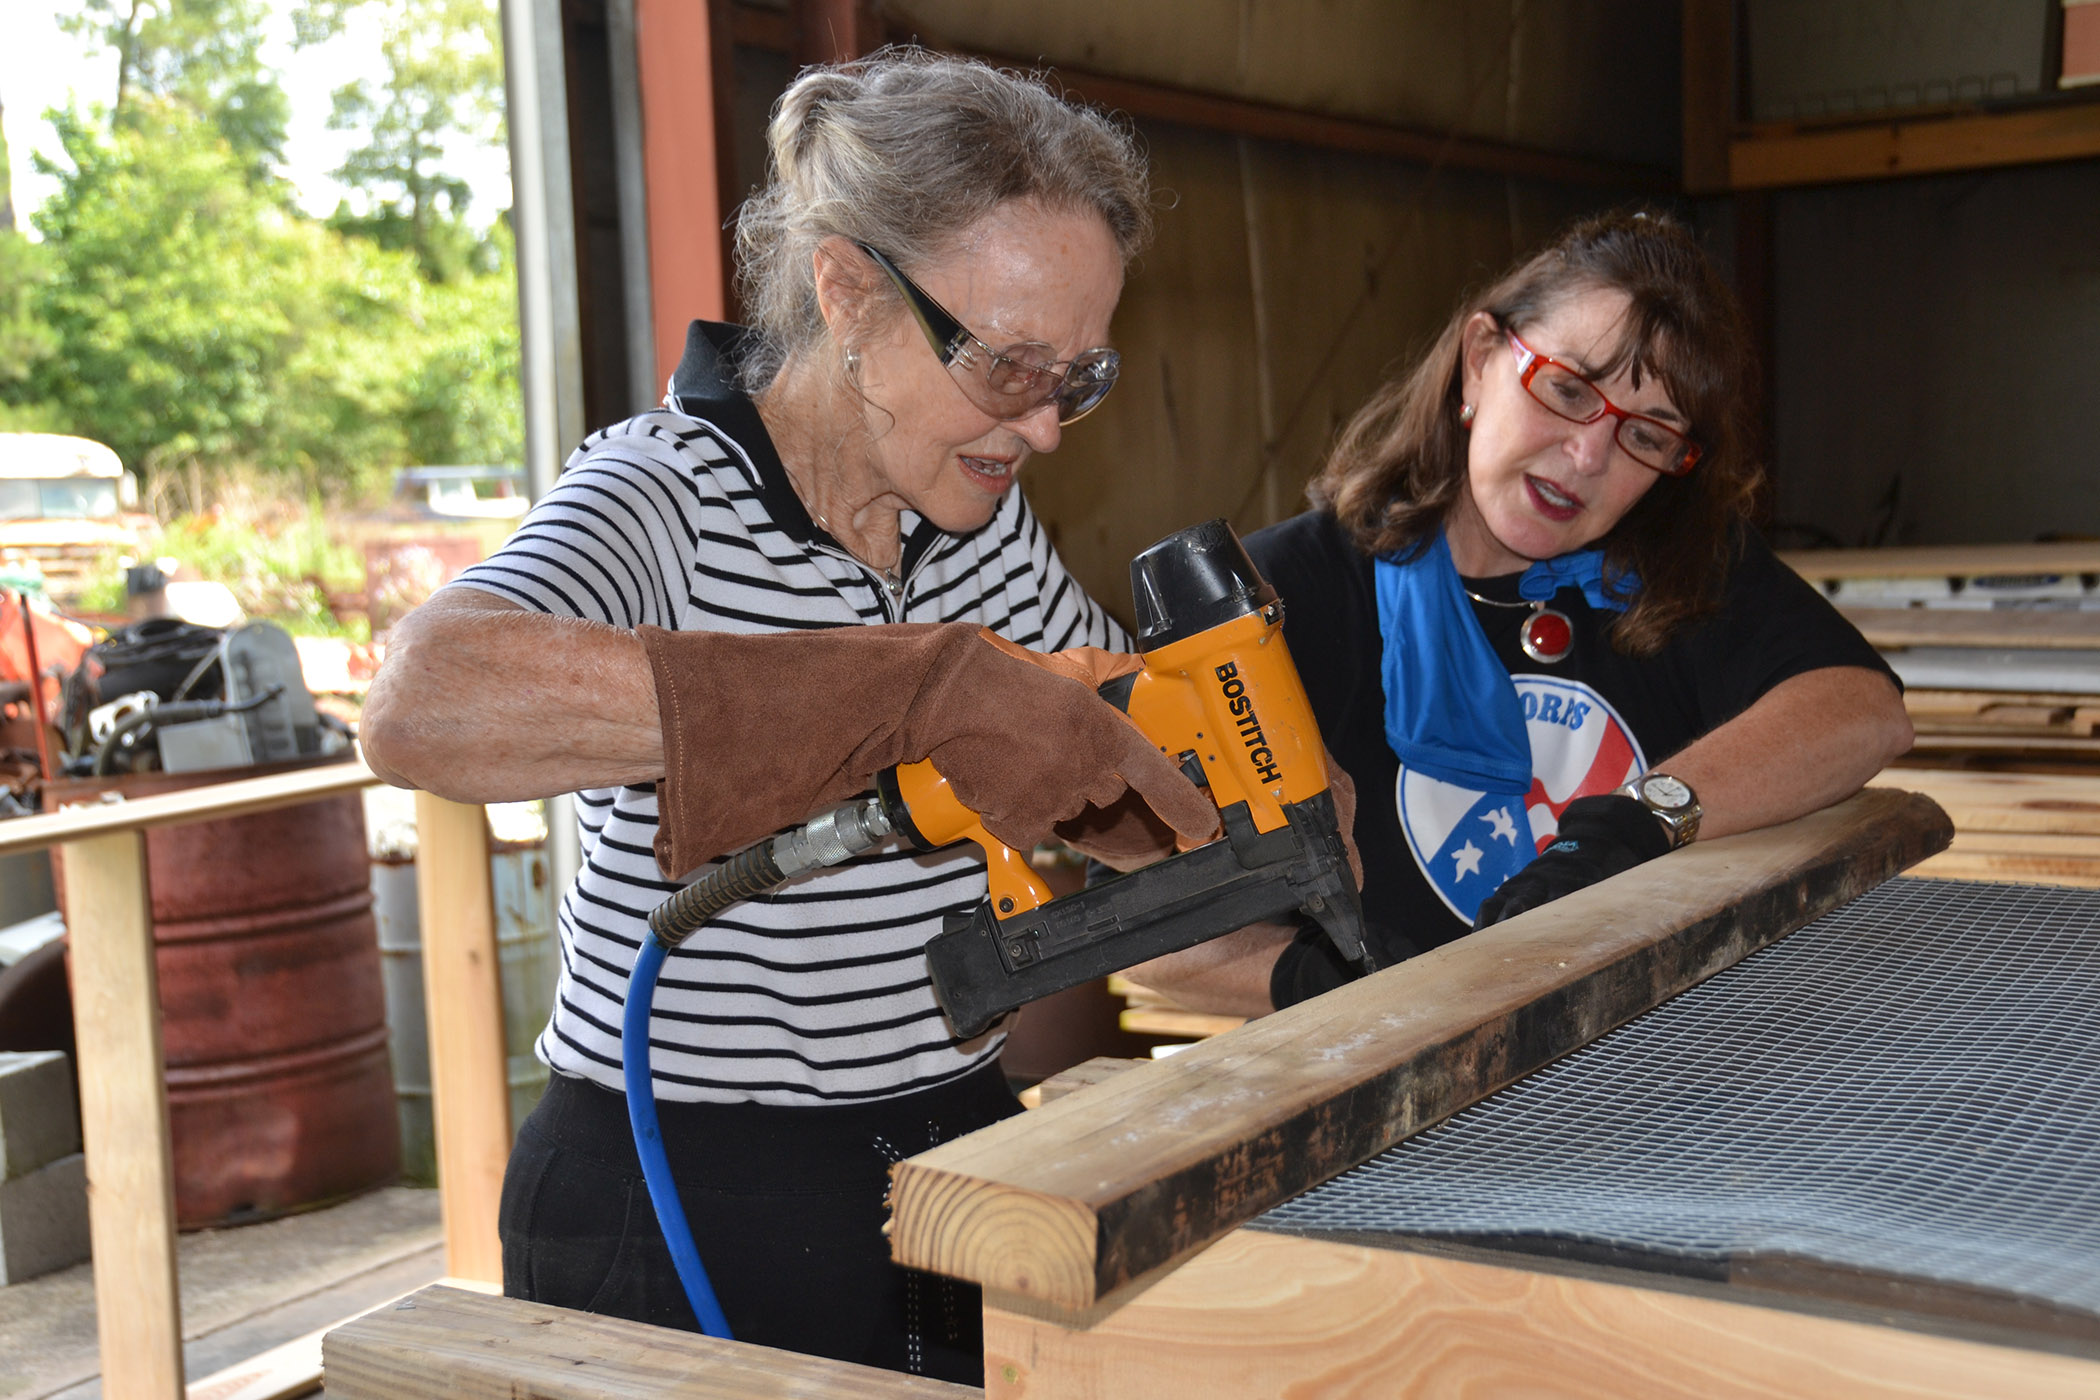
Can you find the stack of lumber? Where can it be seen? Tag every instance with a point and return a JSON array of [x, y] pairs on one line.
[[1987, 721], [1999, 645]]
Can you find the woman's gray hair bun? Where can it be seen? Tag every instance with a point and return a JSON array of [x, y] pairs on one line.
[[903, 150]]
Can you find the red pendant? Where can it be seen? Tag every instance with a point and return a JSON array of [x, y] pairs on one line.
[[1547, 636]]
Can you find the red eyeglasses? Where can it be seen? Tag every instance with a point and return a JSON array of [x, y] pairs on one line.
[[1565, 393]]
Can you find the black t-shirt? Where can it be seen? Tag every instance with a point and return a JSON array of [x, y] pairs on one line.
[[1596, 718]]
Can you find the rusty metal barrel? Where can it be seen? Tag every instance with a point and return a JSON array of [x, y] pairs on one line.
[[273, 1020]]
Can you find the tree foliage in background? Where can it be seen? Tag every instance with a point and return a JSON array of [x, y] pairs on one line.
[[443, 84], [181, 309], [205, 54]]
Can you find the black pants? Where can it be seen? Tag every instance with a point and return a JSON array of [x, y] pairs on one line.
[[786, 1206]]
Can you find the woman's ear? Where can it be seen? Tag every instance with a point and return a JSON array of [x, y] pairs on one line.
[[1476, 342], [845, 283]]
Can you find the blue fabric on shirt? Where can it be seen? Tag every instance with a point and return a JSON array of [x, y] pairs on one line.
[[1450, 710]]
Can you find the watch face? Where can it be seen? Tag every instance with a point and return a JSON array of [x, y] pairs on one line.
[[1666, 792]]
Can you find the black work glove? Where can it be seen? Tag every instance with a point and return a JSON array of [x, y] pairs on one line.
[[1599, 837]]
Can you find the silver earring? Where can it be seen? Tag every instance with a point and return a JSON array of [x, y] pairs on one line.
[[853, 364], [1465, 415]]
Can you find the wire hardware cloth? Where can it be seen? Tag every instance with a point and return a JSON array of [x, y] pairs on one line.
[[1909, 1086]]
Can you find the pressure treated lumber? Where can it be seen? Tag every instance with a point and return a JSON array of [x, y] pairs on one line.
[[448, 1344], [124, 1116], [469, 1066], [1260, 1315], [1092, 1191]]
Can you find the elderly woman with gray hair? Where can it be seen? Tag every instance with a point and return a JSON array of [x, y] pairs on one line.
[[736, 609]]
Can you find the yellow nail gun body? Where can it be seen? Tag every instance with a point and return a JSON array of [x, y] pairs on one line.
[[1219, 695]]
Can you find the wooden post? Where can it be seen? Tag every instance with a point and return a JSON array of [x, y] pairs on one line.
[[469, 1074], [1708, 77], [124, 1116]]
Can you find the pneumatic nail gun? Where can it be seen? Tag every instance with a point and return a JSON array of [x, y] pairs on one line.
[[1219, 695]]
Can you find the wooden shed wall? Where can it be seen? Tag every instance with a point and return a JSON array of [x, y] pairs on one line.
[[1287, 281], [1937, 358]]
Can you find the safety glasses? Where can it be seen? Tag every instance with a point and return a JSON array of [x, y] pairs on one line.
[[1565, 393], [1013, 382]]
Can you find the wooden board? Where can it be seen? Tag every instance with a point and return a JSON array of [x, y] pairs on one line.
[[469, 1065], [2058, 131], [1261, 1315], [124, 1116], [1891, 628], [1083, 1075], [191, 804], [1946, 561], [2007, 802], [449, 1344], [2038, 827], [1092, 1191], [1176, 1022]]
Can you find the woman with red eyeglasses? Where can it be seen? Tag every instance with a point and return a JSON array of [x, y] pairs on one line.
[[1535, 624]]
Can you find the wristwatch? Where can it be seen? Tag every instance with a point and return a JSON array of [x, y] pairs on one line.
[[1672, 801]]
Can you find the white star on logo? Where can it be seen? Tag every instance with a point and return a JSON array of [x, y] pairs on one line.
[[1505, 826], [1468, 858]]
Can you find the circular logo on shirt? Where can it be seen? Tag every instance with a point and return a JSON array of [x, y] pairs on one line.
[[1468, 842]]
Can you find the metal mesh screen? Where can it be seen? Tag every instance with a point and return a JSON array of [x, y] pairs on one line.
[[1910, 1086]]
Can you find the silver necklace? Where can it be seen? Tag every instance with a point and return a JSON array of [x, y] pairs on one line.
[[891, 579], [1546, 636]]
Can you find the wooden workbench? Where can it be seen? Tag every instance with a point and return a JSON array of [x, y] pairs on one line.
[[1109, 1226]]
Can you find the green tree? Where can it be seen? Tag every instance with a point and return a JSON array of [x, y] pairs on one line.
[[205, 53], [443, 85], [193, 322]]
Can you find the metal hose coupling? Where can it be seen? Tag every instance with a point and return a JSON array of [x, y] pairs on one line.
[[830, 839]]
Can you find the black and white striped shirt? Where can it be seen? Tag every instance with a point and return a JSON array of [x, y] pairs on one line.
[[818, 992]]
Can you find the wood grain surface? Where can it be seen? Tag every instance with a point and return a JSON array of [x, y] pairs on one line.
[[463, 998], [2042, 827], [2037, 629], [124, 1115], [1261, 1315], [1092, 1191], [450, 1344]]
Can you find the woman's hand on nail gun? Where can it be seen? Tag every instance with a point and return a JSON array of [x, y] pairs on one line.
[[1026, 750]]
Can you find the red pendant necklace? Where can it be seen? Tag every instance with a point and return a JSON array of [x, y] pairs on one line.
[[1547, 635]]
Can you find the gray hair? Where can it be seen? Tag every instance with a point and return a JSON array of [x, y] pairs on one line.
[[903, 150]]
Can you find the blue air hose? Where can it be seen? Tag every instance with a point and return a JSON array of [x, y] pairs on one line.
[[836, 836], [649, 1141]]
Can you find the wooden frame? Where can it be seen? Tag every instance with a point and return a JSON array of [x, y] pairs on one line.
[[116, 1016], [1092, 1192], [1259, 1315]]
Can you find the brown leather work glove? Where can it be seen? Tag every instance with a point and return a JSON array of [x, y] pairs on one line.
[[759, 731]]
